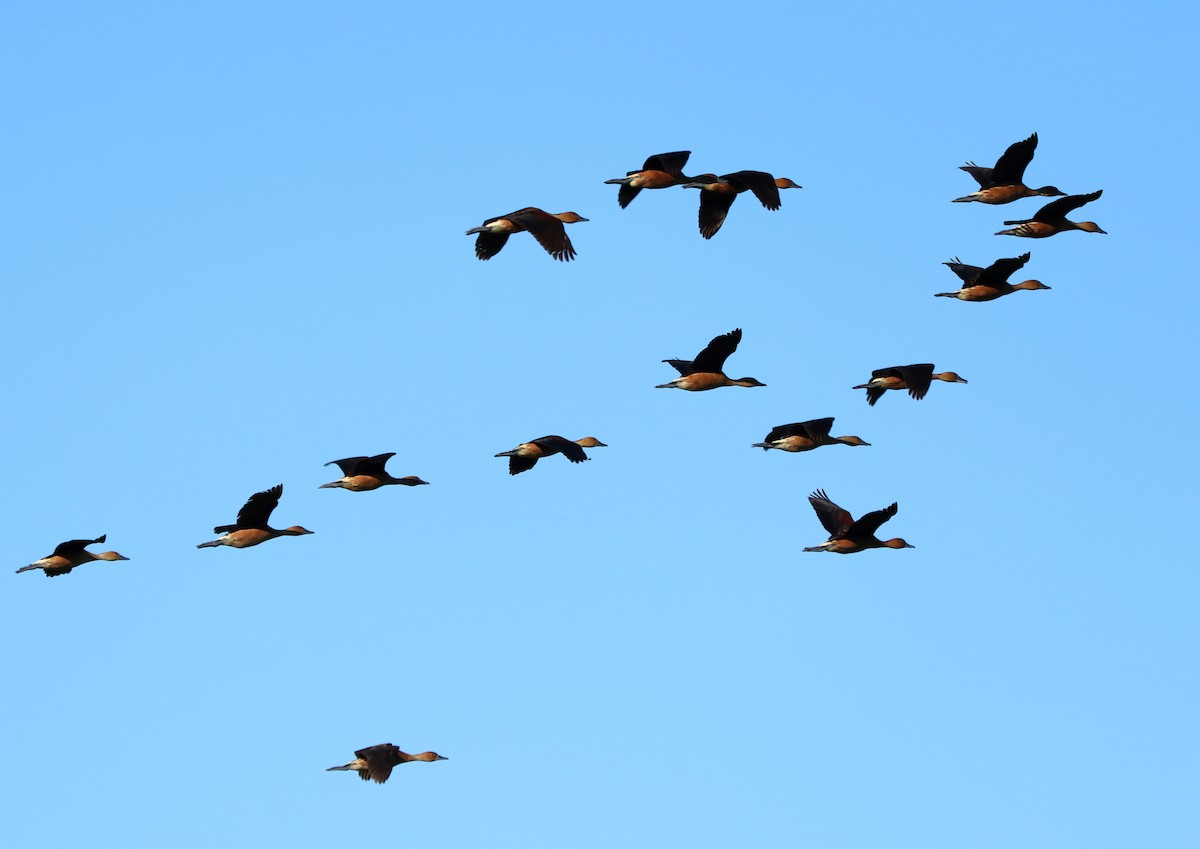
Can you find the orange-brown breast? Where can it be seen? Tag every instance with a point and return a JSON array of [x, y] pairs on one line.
[[795, 443], [980, 293], [844, 546], [703, 380], [652, 180], [246, 537], [1003, 194], [361, 483]]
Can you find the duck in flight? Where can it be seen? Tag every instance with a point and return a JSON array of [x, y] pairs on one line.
[[805, 436], [987, 284], [525, 456], [251, 527], [846, 536], [916, 378], [70, 554], [1052, 218], [717, 194], [660, 171], [705, 371], [1002, 183], [362, 474], [376, 762], [547, 228]]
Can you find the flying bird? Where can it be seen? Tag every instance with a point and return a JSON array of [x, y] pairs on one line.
[[1002, 183], [660, 171], [70, 554], [376, 762], [547, 228], [251, 527], [525, 456], [705, 371], [1052, 218], [805, 436], [987, 284], [717, 194], [915, 378], [847, 536], [362, 474]]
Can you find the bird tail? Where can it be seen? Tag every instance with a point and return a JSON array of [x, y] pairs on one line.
[[211, 544], [963, 199], [764, 446], [335, 768], [27, 568], [475, 230], [938, 295]]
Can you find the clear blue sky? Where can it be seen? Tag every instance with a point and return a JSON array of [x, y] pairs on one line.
[[233, 250]]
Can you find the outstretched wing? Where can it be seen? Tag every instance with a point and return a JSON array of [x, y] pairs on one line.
[[759, 182], [487, 245], [257, 510], [1000, 270], [714, 206], [983, 176], [818, 429], [712, 358], [73, 546], [548, 231], [350, 466], [1010, 167], [966, 273], [672, 162], [1055, 210], [870, 522], [917, 378], [833, 518]]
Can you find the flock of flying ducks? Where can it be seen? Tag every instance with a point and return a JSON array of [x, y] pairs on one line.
[[1000, 184]]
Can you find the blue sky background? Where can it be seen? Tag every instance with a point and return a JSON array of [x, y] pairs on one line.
[[233, 251]]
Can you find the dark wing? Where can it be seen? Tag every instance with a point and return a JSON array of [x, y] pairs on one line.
[[549, 232], [257, 510], [1051, 212], [966, 273], [714, 355], [833, 518], [374, 465], [517, 464], [917, 378], [560, 445], [983, 176], [380, 760], [66, 549], [890, 371], [759, 182], [714, 206], [627, 193], [672, 163], [350, 465], [818, 429], [684, 367], [487, 245], [870, 522], [784, 431], [1000, 270], [1010, 167]]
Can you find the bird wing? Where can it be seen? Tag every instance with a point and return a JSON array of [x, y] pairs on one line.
[[684, 367], [380, 760], [518, 464], [917, 378], [869, 523], [256, 512], [833, 518], [487, 245], [759, 182], [784, 431], [818, 429], [1051, 212], [1000, 270], [548, 231], [966, 273], [714, 206], [72, 546], [672, 163], [712, 358], [350, 465], [983, 176], [1010, 167]]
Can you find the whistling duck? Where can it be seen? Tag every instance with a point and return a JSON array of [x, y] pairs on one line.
[[704, 372], [376, 762], [1051, 219], [251, 526], [545, 227], [847, 536], [660, 171], [805, 436], [70, 554], [717, 194], [362, 474], [915, 378], [987, 284], [1002, 183], [525, 456]]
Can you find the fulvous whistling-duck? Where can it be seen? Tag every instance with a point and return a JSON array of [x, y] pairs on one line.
[[251, 526], [525, 456], [717, 194], [70, 554], [915, 378], [1002, 183], [376, 762], [660, 171], [704, 372], [847, 536], [805, 436], [547, 228], [361, 474], [1051, 219], [987, 284]]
